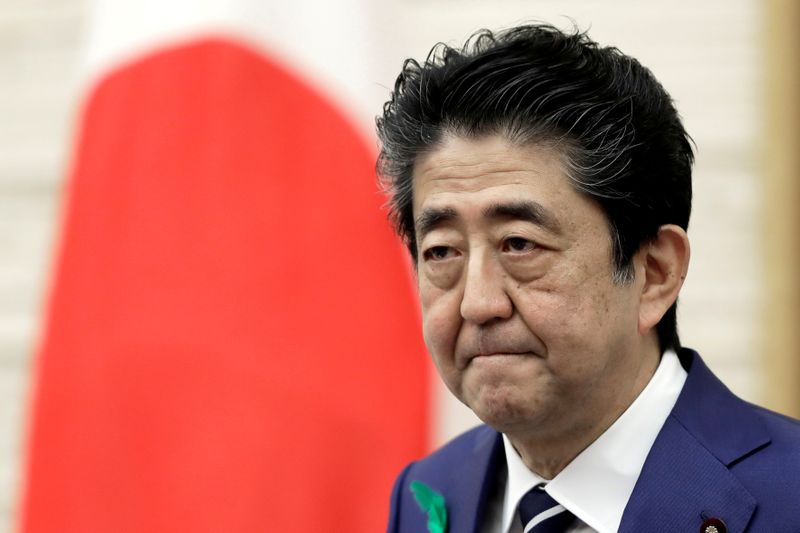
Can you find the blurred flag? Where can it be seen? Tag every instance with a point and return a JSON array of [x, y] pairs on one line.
[[231, 342]]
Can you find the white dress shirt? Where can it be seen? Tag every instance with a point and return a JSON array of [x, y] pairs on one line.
[[597, 484]]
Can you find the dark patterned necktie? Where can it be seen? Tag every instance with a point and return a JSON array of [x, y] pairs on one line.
[[542, 514]]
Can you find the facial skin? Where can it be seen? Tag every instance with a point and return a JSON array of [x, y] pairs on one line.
[[521, 313]]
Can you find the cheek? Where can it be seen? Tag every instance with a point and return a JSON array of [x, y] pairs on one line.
[[441, 322], [569, 318], [591, 329], [545, 307]]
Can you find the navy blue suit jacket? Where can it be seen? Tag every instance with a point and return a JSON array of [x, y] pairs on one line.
[[716, 456]]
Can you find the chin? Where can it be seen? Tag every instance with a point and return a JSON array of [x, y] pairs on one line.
[[506, 397], [503, 409]]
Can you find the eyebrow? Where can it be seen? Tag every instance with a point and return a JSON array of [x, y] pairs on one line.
[[527, 211], [433, 217]]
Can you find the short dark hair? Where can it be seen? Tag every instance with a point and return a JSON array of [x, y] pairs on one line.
[[623, 141]]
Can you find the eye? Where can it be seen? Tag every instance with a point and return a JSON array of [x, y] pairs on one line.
[[518, 245], [439, 253]]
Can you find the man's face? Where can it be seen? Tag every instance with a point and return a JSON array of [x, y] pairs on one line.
[[520, 311]]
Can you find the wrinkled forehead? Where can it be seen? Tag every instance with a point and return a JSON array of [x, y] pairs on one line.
[[456, 155], [491, 178], [488, 165]]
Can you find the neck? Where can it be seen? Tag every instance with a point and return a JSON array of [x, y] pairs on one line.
[[548, 454]]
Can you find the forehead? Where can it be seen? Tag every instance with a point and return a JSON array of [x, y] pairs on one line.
[[462, 175]]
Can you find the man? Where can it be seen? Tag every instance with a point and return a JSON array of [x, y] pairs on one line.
[[543, 186]]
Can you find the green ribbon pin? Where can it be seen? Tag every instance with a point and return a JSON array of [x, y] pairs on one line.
[[432, 503]]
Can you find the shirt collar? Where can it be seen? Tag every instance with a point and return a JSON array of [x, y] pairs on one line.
[[597, 484]]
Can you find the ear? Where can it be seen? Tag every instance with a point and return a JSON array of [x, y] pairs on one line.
[[665, 261]]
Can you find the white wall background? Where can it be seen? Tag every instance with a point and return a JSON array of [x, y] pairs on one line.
[[39, 49], [706, 54]]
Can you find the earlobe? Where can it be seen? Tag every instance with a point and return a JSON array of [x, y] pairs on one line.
[[665, 261]]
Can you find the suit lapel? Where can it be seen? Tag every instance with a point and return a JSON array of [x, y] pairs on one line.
[[464, 473], [686, 477], [681, 485], [467, 496]]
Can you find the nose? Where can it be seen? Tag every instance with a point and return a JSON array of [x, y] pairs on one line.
[[485, 297]]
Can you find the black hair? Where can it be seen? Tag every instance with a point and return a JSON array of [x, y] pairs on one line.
[[622, 139]]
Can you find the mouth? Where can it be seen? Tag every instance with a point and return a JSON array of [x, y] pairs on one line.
[[499, 356], [508, 345]]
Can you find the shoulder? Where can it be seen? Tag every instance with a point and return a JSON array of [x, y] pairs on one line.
[[777, 423], [446, 465], [476, 441], [778, 458], [728, 425], [734, 430], [760, 448], [771, 474]]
